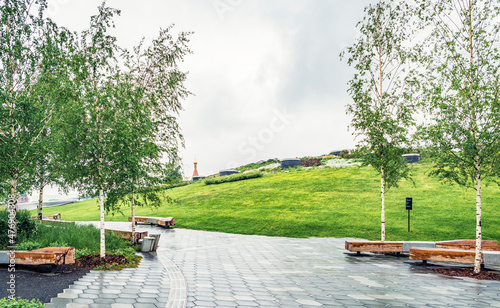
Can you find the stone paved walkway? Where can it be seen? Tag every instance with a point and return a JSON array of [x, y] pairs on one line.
[[208, 269], [146, 286]]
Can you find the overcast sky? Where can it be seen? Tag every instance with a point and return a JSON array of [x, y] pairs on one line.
[[266, 75]]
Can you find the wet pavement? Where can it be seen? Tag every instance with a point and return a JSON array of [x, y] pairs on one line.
[[209, 269]]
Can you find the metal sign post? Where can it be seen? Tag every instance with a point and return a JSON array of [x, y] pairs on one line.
[[409, 206]]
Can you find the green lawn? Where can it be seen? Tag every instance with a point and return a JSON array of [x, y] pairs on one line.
[[320, 203]]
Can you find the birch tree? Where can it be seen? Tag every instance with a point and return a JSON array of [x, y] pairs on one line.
[[30, 45], [381, 109], [461, 92], [89, 120], [150, 94]]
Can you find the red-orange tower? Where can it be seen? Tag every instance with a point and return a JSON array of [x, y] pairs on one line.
[[195, 172]]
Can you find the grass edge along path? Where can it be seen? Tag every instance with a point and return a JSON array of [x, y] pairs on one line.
[[320, 203]]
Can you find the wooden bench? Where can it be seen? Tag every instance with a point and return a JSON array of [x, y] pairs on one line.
[[405, 246], [55, 216], [374, 246], [461, 251], [128, 234], [47, 255], [164, 222]]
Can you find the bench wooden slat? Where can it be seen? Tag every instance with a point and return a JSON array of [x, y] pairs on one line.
[[443, 255], [29, 258], [469, 242], [372, 246], [468, 245]]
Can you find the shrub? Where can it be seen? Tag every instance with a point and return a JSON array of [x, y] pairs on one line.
[[233, 178], [20, 303], [349, 156], [258, 165], [28, 245], [128, 252], [83, 252], [26, 227], [59, 244]]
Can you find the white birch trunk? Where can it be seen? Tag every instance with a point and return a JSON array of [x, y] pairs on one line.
[[477, 260], [40, 203], [13, 191], [101, 206], [133, 217], [382, 207]]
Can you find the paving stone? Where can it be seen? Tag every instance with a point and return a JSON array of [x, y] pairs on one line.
[[78, 287], [247, 303], [127, 295], [52, 305], [100, 305], [149, 295], [77, 305], [60, 301], [146, 300], [111, 291], [67, 295], [225, 303], [123, 300], [144, 305], [92, 291], [83, 301]]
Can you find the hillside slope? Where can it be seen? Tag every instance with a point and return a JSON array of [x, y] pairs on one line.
[[322, 203]]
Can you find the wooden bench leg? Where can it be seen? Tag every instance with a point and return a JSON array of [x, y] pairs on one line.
[[358, 253], [424, 261]]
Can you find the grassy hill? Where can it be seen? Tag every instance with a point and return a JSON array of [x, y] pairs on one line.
[[321, 203]]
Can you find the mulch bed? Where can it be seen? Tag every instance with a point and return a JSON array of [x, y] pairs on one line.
[[91, 261], [39, 282], [467, 272]]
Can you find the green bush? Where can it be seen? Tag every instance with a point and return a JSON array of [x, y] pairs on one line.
[[59, 244], [257, 165], [233, 178], [26, 227], [128, 252], [84, 252], [20, 303], [28, 245]]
